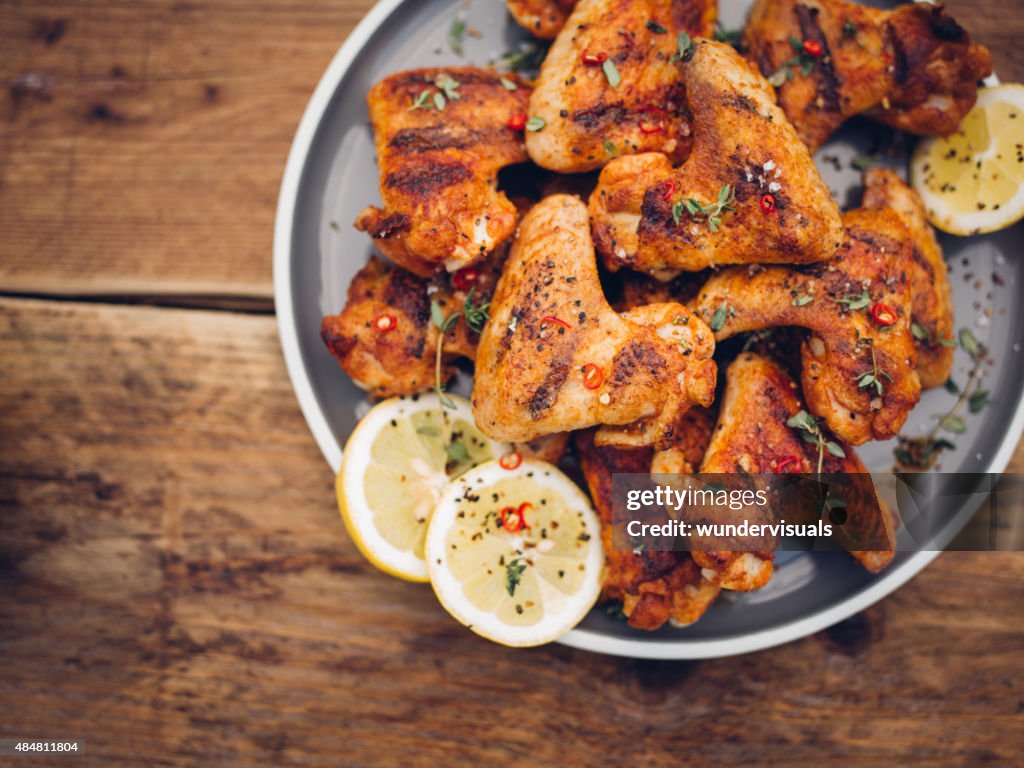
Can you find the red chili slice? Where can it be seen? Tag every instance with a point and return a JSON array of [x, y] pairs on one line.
[[781, 464], [511, 520], [768, 204], [385, 323], [511, 460], [593, 376], [884, 314], [813, 48], [594, 59], [522, 513], [464, 279], [648, 128], [558, 320], [670, 189], [517, 122]]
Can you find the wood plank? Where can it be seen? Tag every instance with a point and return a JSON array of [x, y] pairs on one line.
[[176, 588], [142, 143]]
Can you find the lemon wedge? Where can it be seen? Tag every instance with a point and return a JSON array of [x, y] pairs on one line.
[[515, 554], [973, 181], [396, 465]]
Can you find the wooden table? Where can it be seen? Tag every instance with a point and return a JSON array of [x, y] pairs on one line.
[[175, 585]]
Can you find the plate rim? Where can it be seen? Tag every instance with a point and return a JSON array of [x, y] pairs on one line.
[[584, 639]]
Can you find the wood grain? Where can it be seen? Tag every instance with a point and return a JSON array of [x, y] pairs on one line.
[[175, 585], [142, 143], [176, 588]]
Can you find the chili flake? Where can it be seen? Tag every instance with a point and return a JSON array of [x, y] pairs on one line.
[[594, 59], [813, 48], [557, 320], [464, 279], [768, 204], [385, 323], [517, 122], [593, 377], [884, 314], [781, 464], [511, 460], [512, 519]]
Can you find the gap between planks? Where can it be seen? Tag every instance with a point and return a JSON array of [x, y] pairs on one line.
[[216, 302]]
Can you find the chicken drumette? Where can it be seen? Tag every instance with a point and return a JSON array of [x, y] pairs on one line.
[[555, 356], [610, 84], [654, 587], [912, 67], [859, 359], [441, 136], [748, 192], [754, 436], [932, 301]]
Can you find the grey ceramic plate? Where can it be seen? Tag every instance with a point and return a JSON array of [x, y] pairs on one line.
[[331, 175]]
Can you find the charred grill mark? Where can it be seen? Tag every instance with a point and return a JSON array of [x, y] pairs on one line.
[[600, 115], [656, 218], [430, 137], [828, 83], [637, 358], [426, 179], [407, 294], [900, 65], [547, 391], [740, 103], [944, 27], [390, 225]]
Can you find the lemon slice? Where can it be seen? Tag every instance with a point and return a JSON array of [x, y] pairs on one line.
[[515, 555], [973, 181], [396, 464]]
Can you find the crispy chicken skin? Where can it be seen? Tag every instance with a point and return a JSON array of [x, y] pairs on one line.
[[740, 139], [401, 361], [654, 587], [585, 115], [929, 282], [543, 18], [551, 330], [752, 437], [912, 67], [438, 168], [845, 346]]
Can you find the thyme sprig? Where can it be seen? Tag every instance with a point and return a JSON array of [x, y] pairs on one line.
[[476, 316], [528, 56], [802, 60], [873, 377], [711, 213], [923, 452], [514, 575], [854, 302], [809, 429]]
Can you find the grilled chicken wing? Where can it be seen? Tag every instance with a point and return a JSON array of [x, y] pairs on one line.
[[752, 437], [912, 67], [439, 166], [543, 18], [609, 84], [555, 357], [859, 360], [651, 218], [384, 338], [654, 587], [932, 310]]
